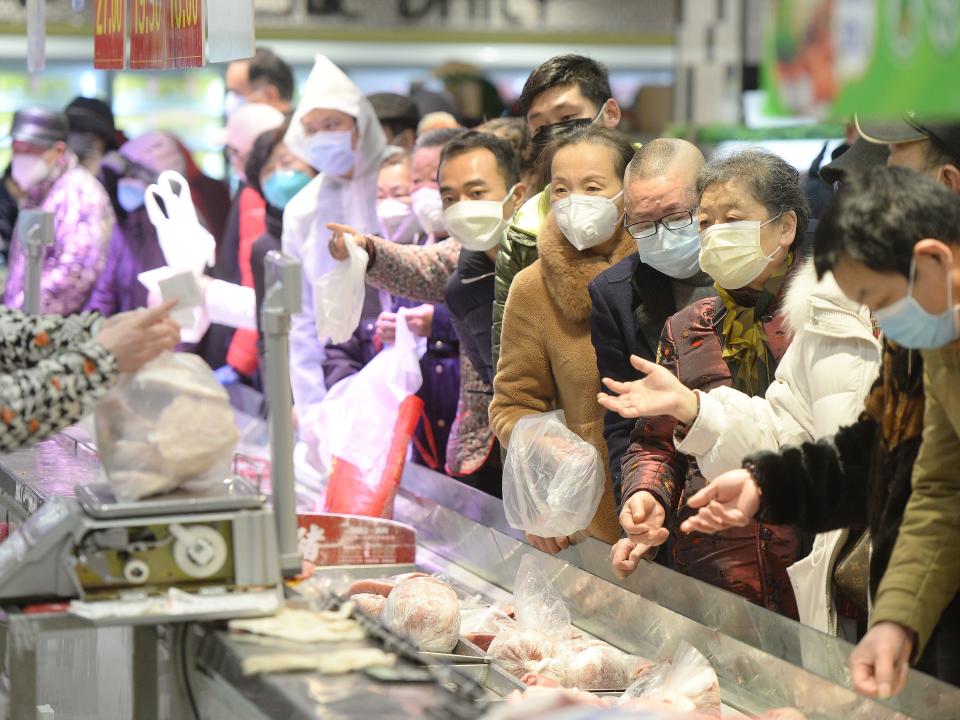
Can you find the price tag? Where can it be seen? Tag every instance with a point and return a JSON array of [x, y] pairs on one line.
[[109, 21], [185, 33], [148, 38]]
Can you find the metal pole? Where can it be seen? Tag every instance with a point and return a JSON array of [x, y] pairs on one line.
[[281, 301], [36, 233]]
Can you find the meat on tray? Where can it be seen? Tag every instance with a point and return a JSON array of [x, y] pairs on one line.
[[427, 611], [370, 603]]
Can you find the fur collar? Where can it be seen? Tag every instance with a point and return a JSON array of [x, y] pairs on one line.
[[805, 291], [567, 272]]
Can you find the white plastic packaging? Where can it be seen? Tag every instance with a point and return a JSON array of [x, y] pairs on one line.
[[167, 426], [552, 479], [339, 294], [685, 683], [425, 610]]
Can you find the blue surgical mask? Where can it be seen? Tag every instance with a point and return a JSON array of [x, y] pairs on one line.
[[908, 324], [331, 152], [675, 253], [130, 193], [282, 185]]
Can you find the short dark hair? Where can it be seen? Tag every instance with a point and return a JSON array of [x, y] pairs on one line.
[[877, 217], [502, 150], [515, 131], [260, 153], [397, 112], [437, 138], [267, 66], [590, 76], [595, 135], [772, 181]]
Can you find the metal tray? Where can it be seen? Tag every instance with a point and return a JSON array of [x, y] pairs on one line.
[[496, 681], [99, 501]]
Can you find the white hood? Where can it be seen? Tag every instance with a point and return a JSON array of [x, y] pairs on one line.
[[329, 88], [807, 297]]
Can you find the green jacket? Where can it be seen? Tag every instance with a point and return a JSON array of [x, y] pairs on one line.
[[517, 251], [924, 572]]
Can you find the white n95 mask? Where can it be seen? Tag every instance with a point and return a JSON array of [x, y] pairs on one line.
[[477, 224], [428, 207], [397, 221], [587, 220]]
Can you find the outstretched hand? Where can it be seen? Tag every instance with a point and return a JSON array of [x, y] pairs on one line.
[[659, 393], [338, 243], [730, 500]]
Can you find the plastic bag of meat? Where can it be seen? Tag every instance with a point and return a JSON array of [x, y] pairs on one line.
[[167, 426], [370, 603], [537, 604], [519, 650], [685, 683], [481, 625], [552, 479], [427, 611], [587, 664], [782, 714]]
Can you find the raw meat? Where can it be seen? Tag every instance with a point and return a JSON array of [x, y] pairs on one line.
[[373, 586], [515, 649], [427, 611], [783, 714], [600, 667], [369, 603], [192, 435], [687, 677]]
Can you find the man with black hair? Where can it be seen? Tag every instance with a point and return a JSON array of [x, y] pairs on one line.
[[398, 117], [565, 92], [264, 78]]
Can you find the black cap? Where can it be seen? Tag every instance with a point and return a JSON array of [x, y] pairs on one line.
[[93, 116], [859, 157], [39, 126], [395, 109], [911, 128]]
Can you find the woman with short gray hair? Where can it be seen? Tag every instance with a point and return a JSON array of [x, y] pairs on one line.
[[752, 214]]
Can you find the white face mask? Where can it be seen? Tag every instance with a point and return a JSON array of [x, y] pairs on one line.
[[587, 220], [731, 253], [675, 253], [397, 221], [331, 152], [477, 224], [428, 207], [28, 171]]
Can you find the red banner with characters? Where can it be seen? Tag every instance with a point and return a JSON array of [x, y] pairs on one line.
[[109, 33], [148, 39], [184, 33]]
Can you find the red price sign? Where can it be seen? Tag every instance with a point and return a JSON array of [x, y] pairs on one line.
[[148, 41], [108, 34], [185, 33]]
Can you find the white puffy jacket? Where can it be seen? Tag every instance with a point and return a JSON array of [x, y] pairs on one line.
[[820, 385]]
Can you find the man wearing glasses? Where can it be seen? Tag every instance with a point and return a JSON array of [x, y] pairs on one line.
[[633, 299]]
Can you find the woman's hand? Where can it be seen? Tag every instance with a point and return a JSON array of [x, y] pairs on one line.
[[420, 320], [338, 244], [642, 519], [880, 662], [387, 327], [135, 338], [553, 545], [625, 556], [659, 393], [731, 500]]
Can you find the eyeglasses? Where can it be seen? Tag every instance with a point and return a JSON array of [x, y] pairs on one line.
[[673, 221]]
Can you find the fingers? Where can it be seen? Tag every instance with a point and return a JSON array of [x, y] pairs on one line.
[[341, 229], [620, 559], [861, 672], [145, 318], [562, 543], [885, 672], [617, 405], [644, 366], [620, 388], [703, 497]]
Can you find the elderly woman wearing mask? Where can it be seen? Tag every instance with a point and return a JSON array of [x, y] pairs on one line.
[[752, 213], [547, 360]]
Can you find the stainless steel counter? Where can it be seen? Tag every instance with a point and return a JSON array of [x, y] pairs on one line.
[[763, 660]]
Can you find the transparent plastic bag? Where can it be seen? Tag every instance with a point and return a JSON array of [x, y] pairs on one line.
[[685, 683], [425, 610], [185, 243], [167, 426], [338, 295], [552, 479], [537, 604]]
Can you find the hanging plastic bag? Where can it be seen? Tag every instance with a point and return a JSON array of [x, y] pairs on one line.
[[185, 243], [364, 426], [168, 425], [339, 294], [687, 683], [552, 479]]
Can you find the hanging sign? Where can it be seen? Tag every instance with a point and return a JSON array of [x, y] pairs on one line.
[[184, 33], [108, 27], [148, 38]]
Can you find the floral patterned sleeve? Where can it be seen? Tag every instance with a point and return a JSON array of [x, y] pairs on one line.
[[412, 271], [56, 391], [25, 340]]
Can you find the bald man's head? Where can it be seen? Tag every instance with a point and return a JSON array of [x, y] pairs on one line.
[[661, 180]]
